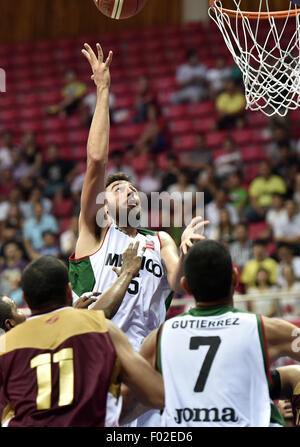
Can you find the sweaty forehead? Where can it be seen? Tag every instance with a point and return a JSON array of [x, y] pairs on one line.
[[119, 182], [8, 301]]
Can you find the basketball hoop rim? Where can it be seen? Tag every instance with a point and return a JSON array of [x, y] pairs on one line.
[[255, 15]]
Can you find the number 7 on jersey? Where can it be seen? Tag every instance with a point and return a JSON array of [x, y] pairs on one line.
[[213, 343]]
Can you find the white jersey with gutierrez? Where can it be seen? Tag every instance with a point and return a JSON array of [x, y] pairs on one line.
[[144, 305], [215, 369]]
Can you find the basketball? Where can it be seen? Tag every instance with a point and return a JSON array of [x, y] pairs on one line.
[[120, 9]]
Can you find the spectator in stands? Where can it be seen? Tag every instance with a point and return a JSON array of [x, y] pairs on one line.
[[13, 257], [32, 153], [206, 184], [183, 192], [286, 257], [50, 246], [287, 164], [261, 260], [88, 106], [224, 232], [20, 167], [218, 76], [296, 189], [241, 250], [263, 286], [56, 172], [155, 134], [117, 164], [62, 204], [72, 95], [290, 306], [276, 211], [287, 228], [228, 162], [36, 196], [199, 158], [237, 194], [191, 78], [69, 238], [170, 172], [144, 98], [279, 135], [261, 192], [11, 268], [14, 219], [6, 146], [214, 208], [230, 105], [151, 180], [35, 226], [7, 182]]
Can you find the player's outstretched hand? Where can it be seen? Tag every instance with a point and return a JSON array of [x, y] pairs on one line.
[[100, 68], [131, 261], [86, 300], [192, 233]]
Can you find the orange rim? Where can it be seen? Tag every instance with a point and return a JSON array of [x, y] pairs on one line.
[[256, 15]]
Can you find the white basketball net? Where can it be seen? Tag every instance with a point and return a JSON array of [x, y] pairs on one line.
[[268, 54]]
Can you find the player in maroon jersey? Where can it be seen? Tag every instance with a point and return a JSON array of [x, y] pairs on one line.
[[287, 386], [50, 358]]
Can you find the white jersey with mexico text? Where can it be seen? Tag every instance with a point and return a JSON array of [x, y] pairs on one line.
[[144, 305], [215, 370]]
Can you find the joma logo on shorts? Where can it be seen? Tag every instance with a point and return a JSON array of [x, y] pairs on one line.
[[205, 415]]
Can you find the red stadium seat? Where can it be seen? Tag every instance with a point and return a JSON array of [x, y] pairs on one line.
[[10, 115], [175, 111], [184, 126], [252, 153], [251, 172], [184, 143], [256, 230], [202, 125], [168, 83], [202, 109], [130, 131], [79, 136], [32, 113], [52, 123], [215, 139], [243, 137], [140, 163]]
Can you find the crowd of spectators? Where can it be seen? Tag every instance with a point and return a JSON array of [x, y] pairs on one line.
[[40, 196]]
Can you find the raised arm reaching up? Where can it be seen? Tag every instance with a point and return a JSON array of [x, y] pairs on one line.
[[97, 153]]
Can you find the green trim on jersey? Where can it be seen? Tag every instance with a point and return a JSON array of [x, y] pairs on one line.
[[145, 232], [276, 417], [159, 353], [169, 300], [263, 349], [211, 311], [82, 276]]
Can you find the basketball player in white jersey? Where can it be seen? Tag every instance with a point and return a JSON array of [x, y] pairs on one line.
[[101, 244], [215, 359]]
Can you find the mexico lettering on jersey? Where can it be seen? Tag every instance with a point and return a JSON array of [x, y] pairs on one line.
[[144, 305], [49, 374], [215, 369]]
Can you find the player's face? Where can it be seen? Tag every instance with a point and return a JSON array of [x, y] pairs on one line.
[[123, 197], [18, 316]]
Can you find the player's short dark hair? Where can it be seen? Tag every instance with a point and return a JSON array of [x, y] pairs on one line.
[[5, 313], [208, 271], [115, 177], [44, 283]]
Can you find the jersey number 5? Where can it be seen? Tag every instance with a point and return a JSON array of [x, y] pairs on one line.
[[213, 343], [43, 366]]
